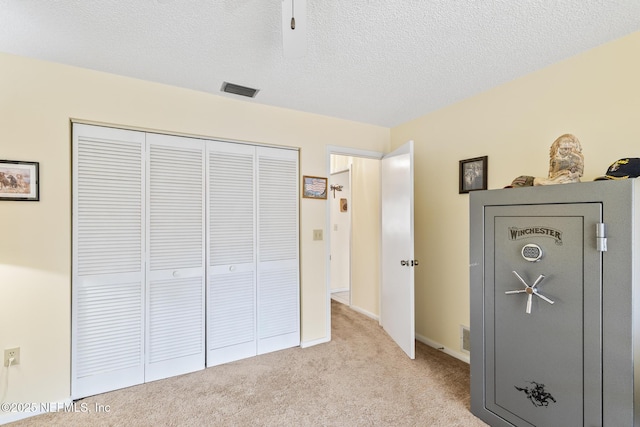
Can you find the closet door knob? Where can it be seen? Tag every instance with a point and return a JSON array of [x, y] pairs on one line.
[[176, 274], [232, 267]]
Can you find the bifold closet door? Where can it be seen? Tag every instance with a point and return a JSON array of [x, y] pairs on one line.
[[278, 283], [108, 260], [253, 289], [175, 299], [153, 215], [231, 308]]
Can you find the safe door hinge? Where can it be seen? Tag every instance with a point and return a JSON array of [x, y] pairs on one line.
[[601, 237]]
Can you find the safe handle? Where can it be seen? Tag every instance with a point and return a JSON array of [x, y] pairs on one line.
[[529, 290]]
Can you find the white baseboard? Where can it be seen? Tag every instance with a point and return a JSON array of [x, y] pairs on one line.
[[28, 410], [457, 354], [333, 291], [305, 344], [365, 312]]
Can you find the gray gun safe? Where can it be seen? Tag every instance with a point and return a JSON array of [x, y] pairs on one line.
[[555, 305]]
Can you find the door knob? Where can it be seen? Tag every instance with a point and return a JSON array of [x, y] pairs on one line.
[[409, 263]]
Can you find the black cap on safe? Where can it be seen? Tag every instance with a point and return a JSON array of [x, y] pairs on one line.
[[622, 169]]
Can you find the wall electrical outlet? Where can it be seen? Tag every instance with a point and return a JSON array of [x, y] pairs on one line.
[[12, 352], [317, 235]]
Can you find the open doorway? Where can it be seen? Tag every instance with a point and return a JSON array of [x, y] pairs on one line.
[[340, 229], [389, 297], [354, 232]]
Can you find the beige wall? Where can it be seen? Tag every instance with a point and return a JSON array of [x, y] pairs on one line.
[[365, 260], [37, 101], [595, 96]]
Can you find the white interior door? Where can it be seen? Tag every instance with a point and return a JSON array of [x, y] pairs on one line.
[[397, 315], [231, 298], [175, 252], [278, 284], [108, 260]]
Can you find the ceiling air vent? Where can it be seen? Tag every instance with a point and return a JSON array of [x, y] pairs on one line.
[[239, 90]]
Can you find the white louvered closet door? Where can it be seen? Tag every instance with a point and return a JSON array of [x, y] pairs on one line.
[[231, 299], [108, 260], [175, 326], [278, 252]]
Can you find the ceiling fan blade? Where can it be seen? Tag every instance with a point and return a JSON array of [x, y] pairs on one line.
[[294, 28]]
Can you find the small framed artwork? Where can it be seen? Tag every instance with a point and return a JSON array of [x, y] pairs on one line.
[[343, 205], [473, 174], [19, 180], [314, 187]]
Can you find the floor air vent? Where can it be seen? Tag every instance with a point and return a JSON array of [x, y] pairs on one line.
[[465, 343], [239, 90]]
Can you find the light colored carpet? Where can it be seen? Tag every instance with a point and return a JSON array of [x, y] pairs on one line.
[[360, 378]]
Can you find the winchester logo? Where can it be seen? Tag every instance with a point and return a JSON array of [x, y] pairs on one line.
[[516, 233]]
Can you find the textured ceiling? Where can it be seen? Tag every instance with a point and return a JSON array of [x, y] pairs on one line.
[[375, 61]]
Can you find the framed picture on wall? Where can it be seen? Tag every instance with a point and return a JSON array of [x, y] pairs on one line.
[[343, 205], [314, 187], [19, 180], [473, 174]]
